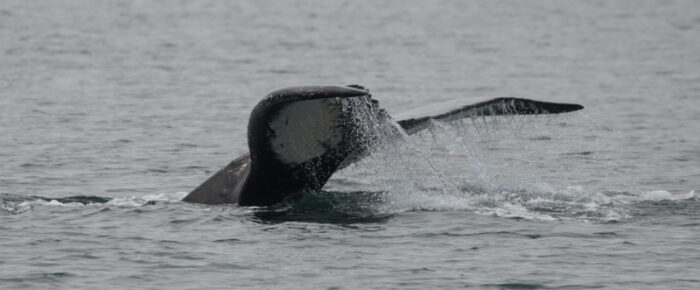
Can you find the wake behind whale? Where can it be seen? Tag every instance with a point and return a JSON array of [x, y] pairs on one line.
[[299, 136]]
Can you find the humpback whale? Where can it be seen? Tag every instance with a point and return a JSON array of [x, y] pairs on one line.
[[299, 136]]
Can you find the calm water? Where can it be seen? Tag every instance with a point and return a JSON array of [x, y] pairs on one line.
[[111, 111]]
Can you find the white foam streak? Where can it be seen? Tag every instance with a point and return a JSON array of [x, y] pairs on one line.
[[17, 207], [145, 199], [31, 204]]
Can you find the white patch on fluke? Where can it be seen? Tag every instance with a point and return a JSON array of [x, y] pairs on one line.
[[306, 129]]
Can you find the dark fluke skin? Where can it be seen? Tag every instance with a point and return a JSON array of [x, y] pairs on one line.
[[259, 178], [262, 178]]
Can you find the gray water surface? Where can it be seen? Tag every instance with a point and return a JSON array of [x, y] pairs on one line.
[[111, 111]]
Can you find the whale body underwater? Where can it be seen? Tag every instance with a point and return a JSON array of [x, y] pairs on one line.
[[299, 136]]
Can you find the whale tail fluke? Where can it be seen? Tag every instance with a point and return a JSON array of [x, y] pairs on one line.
[[224, 185], [298, 137]]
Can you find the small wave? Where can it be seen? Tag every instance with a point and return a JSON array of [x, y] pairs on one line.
[[54, 277], [515, 286], [659, 195]]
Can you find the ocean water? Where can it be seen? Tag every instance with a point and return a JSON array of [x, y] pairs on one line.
[[111, 111]]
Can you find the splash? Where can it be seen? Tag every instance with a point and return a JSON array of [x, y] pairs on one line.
[[517, 167]]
